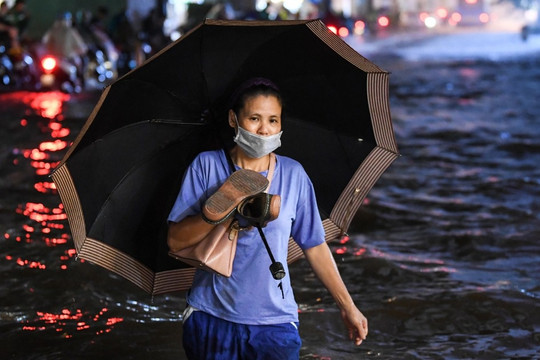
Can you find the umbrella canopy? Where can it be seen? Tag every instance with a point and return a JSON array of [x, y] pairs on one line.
[[121, 176]]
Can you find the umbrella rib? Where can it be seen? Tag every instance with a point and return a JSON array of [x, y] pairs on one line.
[[377, 89], [362, 181]]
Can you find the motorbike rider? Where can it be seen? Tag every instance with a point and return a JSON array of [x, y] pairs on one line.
[[64, 41], [18, 16], [9, 34]]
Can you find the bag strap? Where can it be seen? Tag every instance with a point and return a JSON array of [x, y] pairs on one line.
[[271, 168], [229, 160]]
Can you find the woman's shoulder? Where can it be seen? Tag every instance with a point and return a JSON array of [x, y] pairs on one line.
[[208, 156], [290, 164]]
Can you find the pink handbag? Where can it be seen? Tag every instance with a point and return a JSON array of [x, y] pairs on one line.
[[215, 253]]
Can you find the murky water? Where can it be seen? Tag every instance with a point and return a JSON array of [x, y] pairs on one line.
[[443, 260]]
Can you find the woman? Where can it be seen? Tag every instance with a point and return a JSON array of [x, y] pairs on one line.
[[251, 315]]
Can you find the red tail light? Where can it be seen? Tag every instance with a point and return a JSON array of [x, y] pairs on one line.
[[343, 31], [383, 21], [48, 63]]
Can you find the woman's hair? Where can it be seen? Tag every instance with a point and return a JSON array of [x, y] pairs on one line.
[[254, 87]]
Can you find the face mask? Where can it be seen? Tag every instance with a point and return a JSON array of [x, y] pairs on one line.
[[254, 145]]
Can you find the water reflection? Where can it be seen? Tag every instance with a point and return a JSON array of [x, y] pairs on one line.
[[68, 322], [47, 104], [42, 160], [46, 220]]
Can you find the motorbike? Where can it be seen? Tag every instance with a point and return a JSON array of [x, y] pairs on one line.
[[74, 58], [59, 73], [18, 70], [93, 71]]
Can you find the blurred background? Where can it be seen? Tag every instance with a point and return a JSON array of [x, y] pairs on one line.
[[73, 45]]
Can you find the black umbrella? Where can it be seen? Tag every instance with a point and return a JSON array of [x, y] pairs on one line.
[[121, 176]]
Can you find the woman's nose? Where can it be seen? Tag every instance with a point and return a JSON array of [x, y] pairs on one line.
[[263, 128]]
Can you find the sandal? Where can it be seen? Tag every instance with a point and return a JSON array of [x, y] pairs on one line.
[[260, 209], [240, 185]]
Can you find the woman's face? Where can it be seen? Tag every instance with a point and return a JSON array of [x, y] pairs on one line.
[[260, 115]]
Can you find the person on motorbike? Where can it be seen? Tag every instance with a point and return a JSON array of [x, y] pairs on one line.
[[64, 41], [9, 34], [18, 16]]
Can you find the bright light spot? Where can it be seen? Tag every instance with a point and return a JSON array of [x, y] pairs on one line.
[[531, 15], [113, 321], [35, 154], [49, 104], [359, 252], [472, 2], [442, 13], [292, 5], [359, 27], [383, 21], [48, 64], [175, 35], [52, 145], [60, 133], [341, 251], [44, 187], [430, 22], [343, 31], [455, 17], [332, 28], [484, 18], [423, 16]]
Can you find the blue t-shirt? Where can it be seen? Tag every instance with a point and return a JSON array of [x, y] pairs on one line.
[[251, 295]]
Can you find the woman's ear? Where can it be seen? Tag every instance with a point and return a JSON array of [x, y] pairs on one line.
[[232, 119]]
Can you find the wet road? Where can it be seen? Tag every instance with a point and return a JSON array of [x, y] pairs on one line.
[[443, 259]]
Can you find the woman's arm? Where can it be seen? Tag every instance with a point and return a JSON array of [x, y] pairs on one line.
[[322, 262], [189, 231]]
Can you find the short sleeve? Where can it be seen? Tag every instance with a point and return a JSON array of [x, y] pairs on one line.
[[307, 229], [190, 196]]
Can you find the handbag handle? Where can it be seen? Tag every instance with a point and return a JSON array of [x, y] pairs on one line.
[[271, 168]]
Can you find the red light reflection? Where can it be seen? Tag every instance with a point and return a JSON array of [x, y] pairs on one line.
[[69, 322], [45, 222], [49, 104], [45, 187], [341, 250], [55, 145], [38, 212]]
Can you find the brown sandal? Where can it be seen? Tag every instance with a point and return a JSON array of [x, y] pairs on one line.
[[260, 209], [240, 185]]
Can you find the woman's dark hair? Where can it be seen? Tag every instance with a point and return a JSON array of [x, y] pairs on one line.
[[254, 87]]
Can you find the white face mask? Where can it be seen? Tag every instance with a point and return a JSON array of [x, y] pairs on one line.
[[254, 145]]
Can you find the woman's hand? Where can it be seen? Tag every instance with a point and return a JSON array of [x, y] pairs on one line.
[[322, 262], [356, 324]]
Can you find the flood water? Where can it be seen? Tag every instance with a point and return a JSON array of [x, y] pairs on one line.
[[443, 259]]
